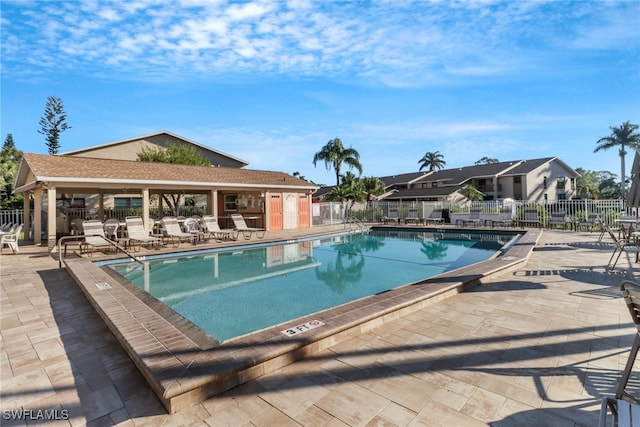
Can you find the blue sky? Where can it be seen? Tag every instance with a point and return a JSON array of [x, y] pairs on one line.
[[272, 82]]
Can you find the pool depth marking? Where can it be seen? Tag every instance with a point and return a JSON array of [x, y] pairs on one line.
[[312, 324]]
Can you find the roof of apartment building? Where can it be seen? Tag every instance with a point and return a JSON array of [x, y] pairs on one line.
[[448, 181]]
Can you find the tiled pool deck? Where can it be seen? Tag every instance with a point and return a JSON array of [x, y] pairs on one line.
[[538, 345]]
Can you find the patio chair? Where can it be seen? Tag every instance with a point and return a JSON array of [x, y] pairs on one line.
[[10, 238], [434, 217], [171, 229], [138, 235], [505, 218], [191, 225], [212, 228], [624, 406], [392, 217], [530, 217], [241, 227], [6, 227], [604, 227], [621, 245], [111, 228], [588, 224], [94, 237], [412, 217], [76, 226], [558, 219], [473, 219]]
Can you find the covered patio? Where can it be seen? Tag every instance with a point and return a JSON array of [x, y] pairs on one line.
[[281, 200]]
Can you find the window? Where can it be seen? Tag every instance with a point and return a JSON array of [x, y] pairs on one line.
[[562, 182], [230, 202], [517, 180], [127, 202]]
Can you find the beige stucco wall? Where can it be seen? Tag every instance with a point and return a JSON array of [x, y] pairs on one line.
[[129, 150]]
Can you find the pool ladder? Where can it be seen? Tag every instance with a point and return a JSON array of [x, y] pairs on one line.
[[353, 220], [106, 239]]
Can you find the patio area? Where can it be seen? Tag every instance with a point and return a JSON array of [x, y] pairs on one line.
[[538, 346]]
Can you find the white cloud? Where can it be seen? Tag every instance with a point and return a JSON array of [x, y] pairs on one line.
[[398, 44]]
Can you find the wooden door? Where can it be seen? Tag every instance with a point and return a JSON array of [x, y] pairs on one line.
[[275, 211]]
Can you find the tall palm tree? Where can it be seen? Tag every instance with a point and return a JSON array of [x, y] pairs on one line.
[[433, 160], [333, 154], [623, 136]]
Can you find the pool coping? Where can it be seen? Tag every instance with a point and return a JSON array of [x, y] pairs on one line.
[[182, 373]]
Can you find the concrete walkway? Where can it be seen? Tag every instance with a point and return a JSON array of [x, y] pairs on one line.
[[539, 347]]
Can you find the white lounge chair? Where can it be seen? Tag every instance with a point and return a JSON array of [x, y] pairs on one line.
[[94, 237], [241, 226], [10, 238], [137, 234], [171, 229], [212, 228]]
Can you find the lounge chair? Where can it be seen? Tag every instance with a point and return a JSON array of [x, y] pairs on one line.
[[434, 217], [473, 218], [212, 229], [624, 406], [241, 227], [505, 218], [94, 237], [171, 229], [10, 238], [530, 218], [392, 217], [137, 234], [412, 217], [558, 219]]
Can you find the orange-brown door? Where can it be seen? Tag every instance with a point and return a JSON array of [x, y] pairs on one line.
[[303, 211], [275, 211]]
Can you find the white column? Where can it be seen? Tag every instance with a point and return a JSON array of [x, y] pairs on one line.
[[37, 215], [214, 203], [26, 220], [51, 217], [145, 209]]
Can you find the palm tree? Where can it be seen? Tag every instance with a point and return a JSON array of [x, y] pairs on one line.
[[372, 186], [471, 192], [432, 160], [623, 136], [333, 154]]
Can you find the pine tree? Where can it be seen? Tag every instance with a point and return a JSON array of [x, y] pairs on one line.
[[53, 123]]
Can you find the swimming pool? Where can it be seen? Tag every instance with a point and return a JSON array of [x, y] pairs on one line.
[[232, 293]]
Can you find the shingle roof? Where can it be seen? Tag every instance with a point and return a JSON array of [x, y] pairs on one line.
[[402, 178], [71, 168]]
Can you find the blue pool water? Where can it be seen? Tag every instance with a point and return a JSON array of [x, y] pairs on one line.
[[232, 293]]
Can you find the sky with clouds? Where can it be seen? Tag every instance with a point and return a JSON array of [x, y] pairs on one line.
[[271, 82]]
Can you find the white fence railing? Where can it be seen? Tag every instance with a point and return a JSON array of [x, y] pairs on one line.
[[335, 212]]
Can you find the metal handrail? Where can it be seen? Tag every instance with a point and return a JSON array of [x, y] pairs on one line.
[[106, 239], [356, 221]]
